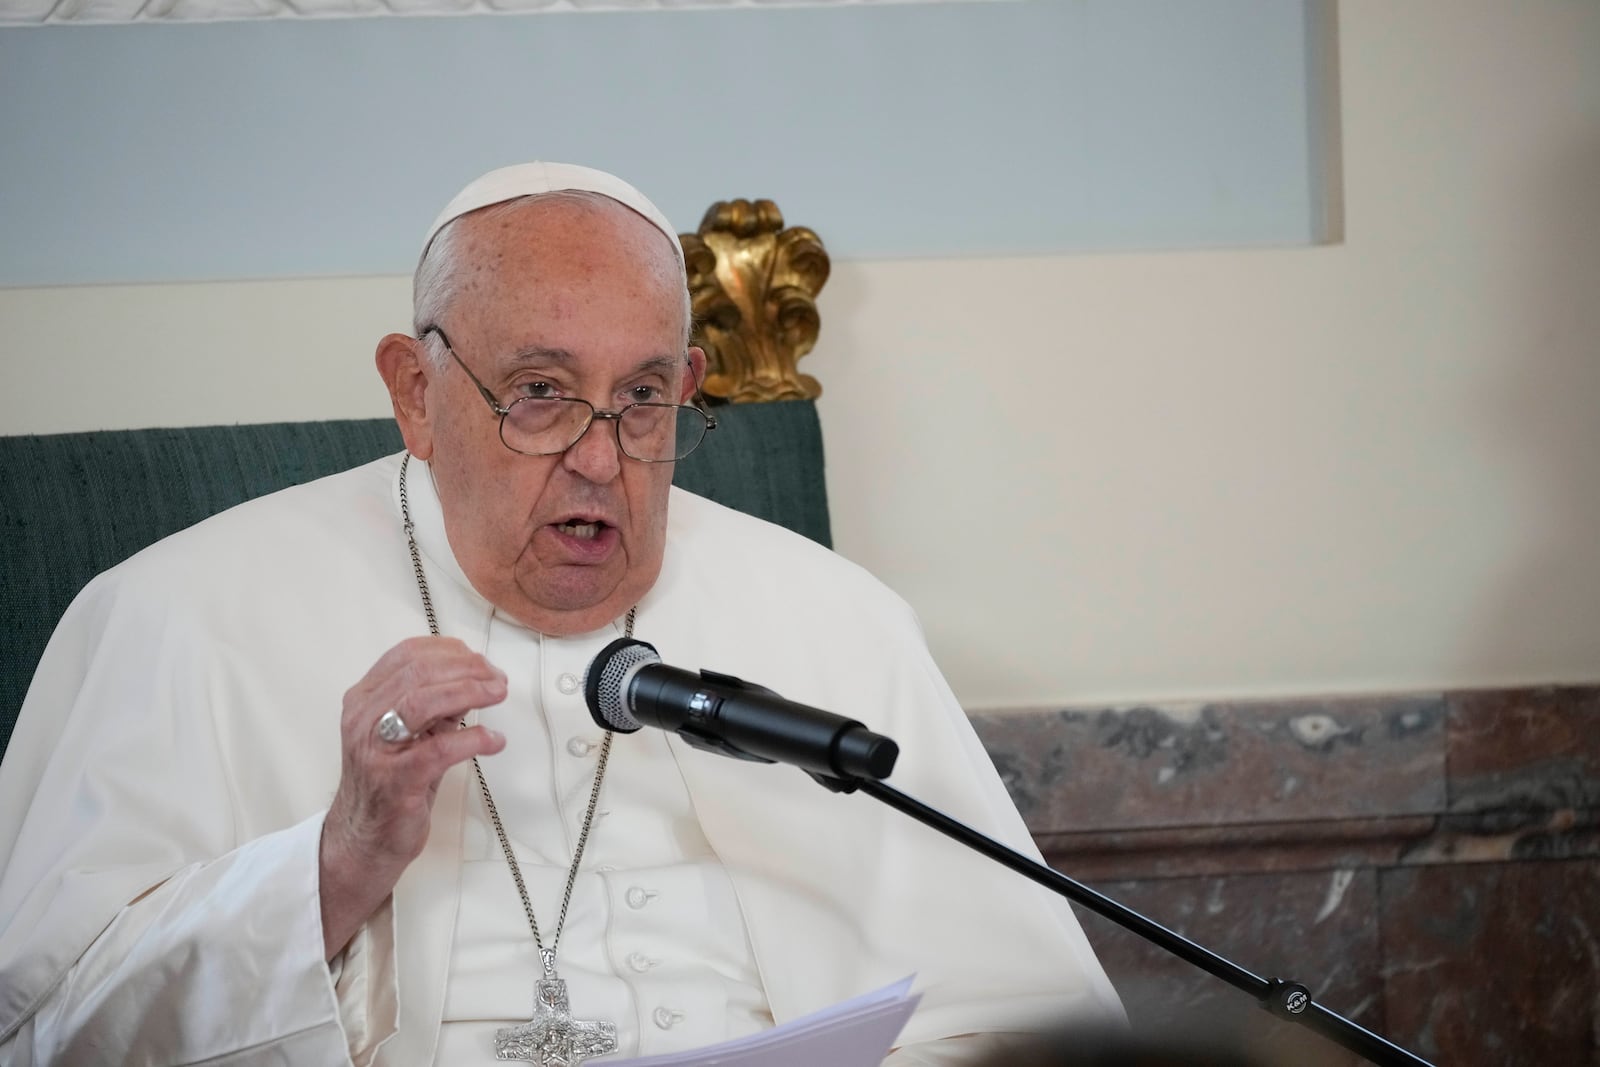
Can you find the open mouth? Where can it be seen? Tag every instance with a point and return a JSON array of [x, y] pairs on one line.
[[582, 530]]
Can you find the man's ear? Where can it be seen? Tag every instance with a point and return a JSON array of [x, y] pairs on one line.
[[403, 364], [697, 375]]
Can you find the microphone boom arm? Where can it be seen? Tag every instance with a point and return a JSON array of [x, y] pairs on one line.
[[1285, 999], [628, 687]]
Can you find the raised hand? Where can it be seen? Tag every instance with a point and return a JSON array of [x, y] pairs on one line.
[[378, 821]]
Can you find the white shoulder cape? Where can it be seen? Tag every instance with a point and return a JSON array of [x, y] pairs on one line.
[[187, 710]]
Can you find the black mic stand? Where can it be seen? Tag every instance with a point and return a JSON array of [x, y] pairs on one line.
[[1285, 999]]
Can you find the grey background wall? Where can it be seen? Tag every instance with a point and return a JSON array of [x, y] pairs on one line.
[[306, 147], [1209, 455]]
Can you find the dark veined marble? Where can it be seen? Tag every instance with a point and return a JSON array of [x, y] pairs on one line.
[[1429, 864], [1271, 762]]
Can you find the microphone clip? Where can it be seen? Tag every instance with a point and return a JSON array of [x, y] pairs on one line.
[[705, 705]]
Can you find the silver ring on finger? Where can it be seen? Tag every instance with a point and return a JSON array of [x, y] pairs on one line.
[[393, 729]]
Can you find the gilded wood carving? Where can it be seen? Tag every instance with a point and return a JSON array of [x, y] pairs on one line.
[[753, 286]]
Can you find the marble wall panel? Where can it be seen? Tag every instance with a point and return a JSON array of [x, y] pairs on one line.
[[1319, 929], [1175, 852], [1429, 864], [1494, 963], [1219, 763], [1525, 749]]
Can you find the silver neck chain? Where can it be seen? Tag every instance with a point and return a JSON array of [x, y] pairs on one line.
[[546, 956]]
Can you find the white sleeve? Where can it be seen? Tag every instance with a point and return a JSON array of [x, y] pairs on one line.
[[146, 916], [222, 964]]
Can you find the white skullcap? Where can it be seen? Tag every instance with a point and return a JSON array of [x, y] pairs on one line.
[[530, 179]]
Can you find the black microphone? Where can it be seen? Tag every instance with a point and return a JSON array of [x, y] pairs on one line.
[[627, 686]]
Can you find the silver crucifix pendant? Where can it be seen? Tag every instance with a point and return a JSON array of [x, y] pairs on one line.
[[554, 1038]]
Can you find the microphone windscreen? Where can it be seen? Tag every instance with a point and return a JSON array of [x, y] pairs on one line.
[[605, 683]]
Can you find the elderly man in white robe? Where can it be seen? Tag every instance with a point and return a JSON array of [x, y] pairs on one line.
[[313, 782]]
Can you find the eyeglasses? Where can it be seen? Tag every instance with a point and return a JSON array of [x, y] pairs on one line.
[[549, 425]]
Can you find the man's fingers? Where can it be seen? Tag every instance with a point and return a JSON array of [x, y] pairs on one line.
[[418, 648], [438, 705], [419, 660], [456, 746], [416, 768], [424, 680]]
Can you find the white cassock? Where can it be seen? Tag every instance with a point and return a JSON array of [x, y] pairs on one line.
[[162, 798]]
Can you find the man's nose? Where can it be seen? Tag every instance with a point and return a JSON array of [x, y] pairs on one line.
[[597, 455]]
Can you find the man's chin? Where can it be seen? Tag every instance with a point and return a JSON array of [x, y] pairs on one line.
[[570, 612]]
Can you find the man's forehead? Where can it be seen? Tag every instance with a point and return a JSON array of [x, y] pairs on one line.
[[533, 179], [542, 356]]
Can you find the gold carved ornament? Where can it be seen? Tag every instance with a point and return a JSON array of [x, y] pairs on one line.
[[753, 286]]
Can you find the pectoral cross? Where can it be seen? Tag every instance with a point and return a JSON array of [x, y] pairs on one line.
[[554, 1038]]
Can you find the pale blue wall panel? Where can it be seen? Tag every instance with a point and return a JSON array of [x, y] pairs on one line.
[[318, 147]]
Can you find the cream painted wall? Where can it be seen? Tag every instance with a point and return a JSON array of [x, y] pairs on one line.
[[1361, 467]]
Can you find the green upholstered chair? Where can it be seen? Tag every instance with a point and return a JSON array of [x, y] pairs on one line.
[[72, 505]]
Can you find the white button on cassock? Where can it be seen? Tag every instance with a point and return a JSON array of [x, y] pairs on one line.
[[640, 962], [638, 897], [579, 747], [567, 683], [667, 1018]]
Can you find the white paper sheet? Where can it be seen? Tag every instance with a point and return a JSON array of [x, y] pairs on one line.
[[858, 1032]]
